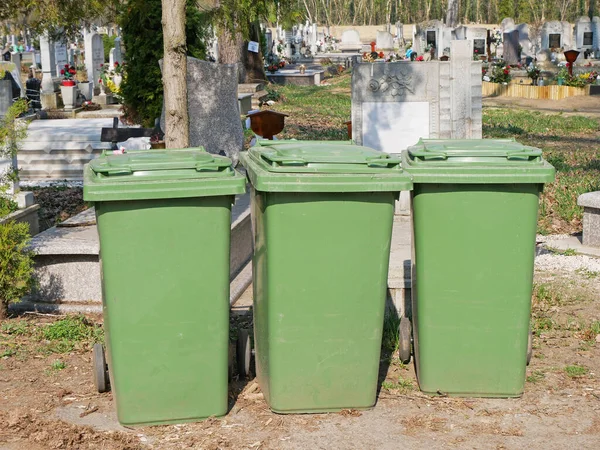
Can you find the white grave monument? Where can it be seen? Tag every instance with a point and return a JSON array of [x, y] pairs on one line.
[[94, 56]]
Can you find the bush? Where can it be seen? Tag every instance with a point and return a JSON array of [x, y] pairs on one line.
[[142, 89], [16, 264]]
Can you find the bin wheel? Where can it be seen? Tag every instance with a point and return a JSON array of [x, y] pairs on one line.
[[101, 379], [243, 353], [404, 340], [529, 346]]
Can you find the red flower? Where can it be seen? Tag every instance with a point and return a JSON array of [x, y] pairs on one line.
[[420, 58], [72, 71], [66, 66], [116, 64], [100, 81], [62, 71], [508, 67], [101, 65], [506, 71], [381, 55]]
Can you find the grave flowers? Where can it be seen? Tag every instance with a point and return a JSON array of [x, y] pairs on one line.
[[534, 73], [68, 72]]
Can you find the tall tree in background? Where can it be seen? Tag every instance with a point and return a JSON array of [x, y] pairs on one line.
[[452, 13]]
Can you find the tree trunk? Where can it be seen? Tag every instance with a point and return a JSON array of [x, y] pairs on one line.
[[230, 51], [253, 62], [175, 74], [3, 310], [452, 14]]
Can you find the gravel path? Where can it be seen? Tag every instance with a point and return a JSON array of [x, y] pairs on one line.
[[552, 261]]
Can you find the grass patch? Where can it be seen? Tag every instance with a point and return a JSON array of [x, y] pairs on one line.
[[576, 371], [536, 376], [402, 385], [73, 328], [19, 328], [585, 273], [58, 365], [390, 339], [505, 123]]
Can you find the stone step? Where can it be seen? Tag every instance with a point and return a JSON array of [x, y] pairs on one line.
[[250, 88], [68, 264]]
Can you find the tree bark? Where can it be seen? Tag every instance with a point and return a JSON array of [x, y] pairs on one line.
[[3, 310], [175, 74], [230, 51], [253, 62], [452, 13]]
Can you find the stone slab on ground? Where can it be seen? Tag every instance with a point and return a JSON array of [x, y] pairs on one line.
[[574, 243]]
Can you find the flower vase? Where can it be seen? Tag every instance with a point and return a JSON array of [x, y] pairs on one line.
[[117, 79], [69, 96]]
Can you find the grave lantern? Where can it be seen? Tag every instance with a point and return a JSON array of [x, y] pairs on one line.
[[267, 123]]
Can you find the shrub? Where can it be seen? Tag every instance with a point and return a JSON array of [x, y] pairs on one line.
[[16, 264]]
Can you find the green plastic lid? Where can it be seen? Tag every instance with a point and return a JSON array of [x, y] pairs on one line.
[[322, 166], [476, 161], [159, 174]]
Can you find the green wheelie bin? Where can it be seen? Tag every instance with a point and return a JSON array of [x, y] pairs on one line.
[[164, 226], [322, 217], [474, 207]]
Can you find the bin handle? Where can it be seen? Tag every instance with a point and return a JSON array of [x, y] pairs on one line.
[[520, 155]]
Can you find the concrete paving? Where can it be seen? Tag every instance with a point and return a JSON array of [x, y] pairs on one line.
[[573, 243]]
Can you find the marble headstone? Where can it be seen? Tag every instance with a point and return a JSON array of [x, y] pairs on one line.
[[350, 41], [118, 54], [94, 56], [524, 41], [584, 34], [511, 47], [214, 117], [61, 57], [552, 35], [507, 25], [596, 30], [48, 63], [395, 104], [385, 40]]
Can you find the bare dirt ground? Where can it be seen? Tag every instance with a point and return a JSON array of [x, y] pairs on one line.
[[45, 406]]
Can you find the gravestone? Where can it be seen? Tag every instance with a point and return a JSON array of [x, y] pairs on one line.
[[511, 47], [214, 117], [350, 42], [61, 57], [48, 96], [395, 104], [94, 56], [6, 98], [568, 42], [524, 41], [400, 32], [111, 58], [584, 34], [507, 25], [552, 35], [385, 41], [118, 53], [596, 31]]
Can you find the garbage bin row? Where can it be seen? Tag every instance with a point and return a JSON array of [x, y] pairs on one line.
[[322, 217]]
